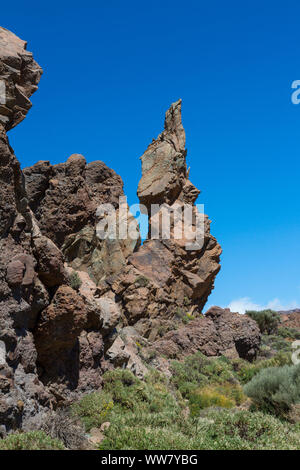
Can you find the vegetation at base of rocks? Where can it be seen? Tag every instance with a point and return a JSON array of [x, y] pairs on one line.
[[93, 409], [61, 425], [152, 414], [199, 370], [267, 320], [33, 440], [245, 371], [206, 403], [289, 333], [183, 316], [75, 281], [206, 382], [275, 390], [216, 430]]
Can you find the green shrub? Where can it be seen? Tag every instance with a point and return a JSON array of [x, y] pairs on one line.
[[93, 409], [207, 397], [267, 320], [244, 430], [33, 440], [198, 370], [289, 333], [275, 390], [216, 430], [75, 281], [246, 371]]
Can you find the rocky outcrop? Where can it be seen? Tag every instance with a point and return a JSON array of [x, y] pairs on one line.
[[65, 199], [290, 318], [73, 304], [21, 75], [177, 272], [218, 332], [22, 294]]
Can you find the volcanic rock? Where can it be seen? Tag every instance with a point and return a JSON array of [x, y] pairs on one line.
[[218, 332], [21, 75]]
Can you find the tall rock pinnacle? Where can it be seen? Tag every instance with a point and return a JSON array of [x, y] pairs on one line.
[[163, 163]]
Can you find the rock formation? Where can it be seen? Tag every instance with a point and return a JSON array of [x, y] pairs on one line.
[[65, 198], [219, 332], [73, 305], [290, 318], [21, 75], [177, 274]]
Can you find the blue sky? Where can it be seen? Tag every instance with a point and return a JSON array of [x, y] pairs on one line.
[[111, 69]]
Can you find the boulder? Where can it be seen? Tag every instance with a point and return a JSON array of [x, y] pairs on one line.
[[218, 332]]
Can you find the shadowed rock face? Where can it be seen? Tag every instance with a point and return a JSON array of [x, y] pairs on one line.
[[21, 75]]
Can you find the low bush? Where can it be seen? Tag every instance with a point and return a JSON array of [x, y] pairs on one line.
[[289, 333], [33, 440], [93, 409], [198, 370], [275, 390], [245, 371], [217, 430]]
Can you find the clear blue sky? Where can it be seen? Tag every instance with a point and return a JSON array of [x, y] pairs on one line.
[[111, 69]]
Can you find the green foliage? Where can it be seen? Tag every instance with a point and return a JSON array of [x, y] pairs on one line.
[[267, 320], [207, 397], [245, 371], [275, 390], [289, 333], [197, 370], [33, 440], [75, 281], [206, 382], [151, 414], [93, 409], [217, 430]]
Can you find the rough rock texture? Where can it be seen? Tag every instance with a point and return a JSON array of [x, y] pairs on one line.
[[218, 332], [290, 318], [21, 75], [73, 305], [167, 279], [65, 198]]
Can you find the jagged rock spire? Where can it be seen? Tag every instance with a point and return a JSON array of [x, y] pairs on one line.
[[163, 163]]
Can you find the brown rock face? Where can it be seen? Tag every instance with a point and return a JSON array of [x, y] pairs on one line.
[[290, 318], [219, 332], [73, 305], [180, 265], [64, 199], [21, 75], [22, 296]]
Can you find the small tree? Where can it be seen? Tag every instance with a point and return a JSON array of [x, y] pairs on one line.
[[267, 320]]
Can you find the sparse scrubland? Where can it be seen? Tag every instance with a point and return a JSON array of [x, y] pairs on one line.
[[205, 403]]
